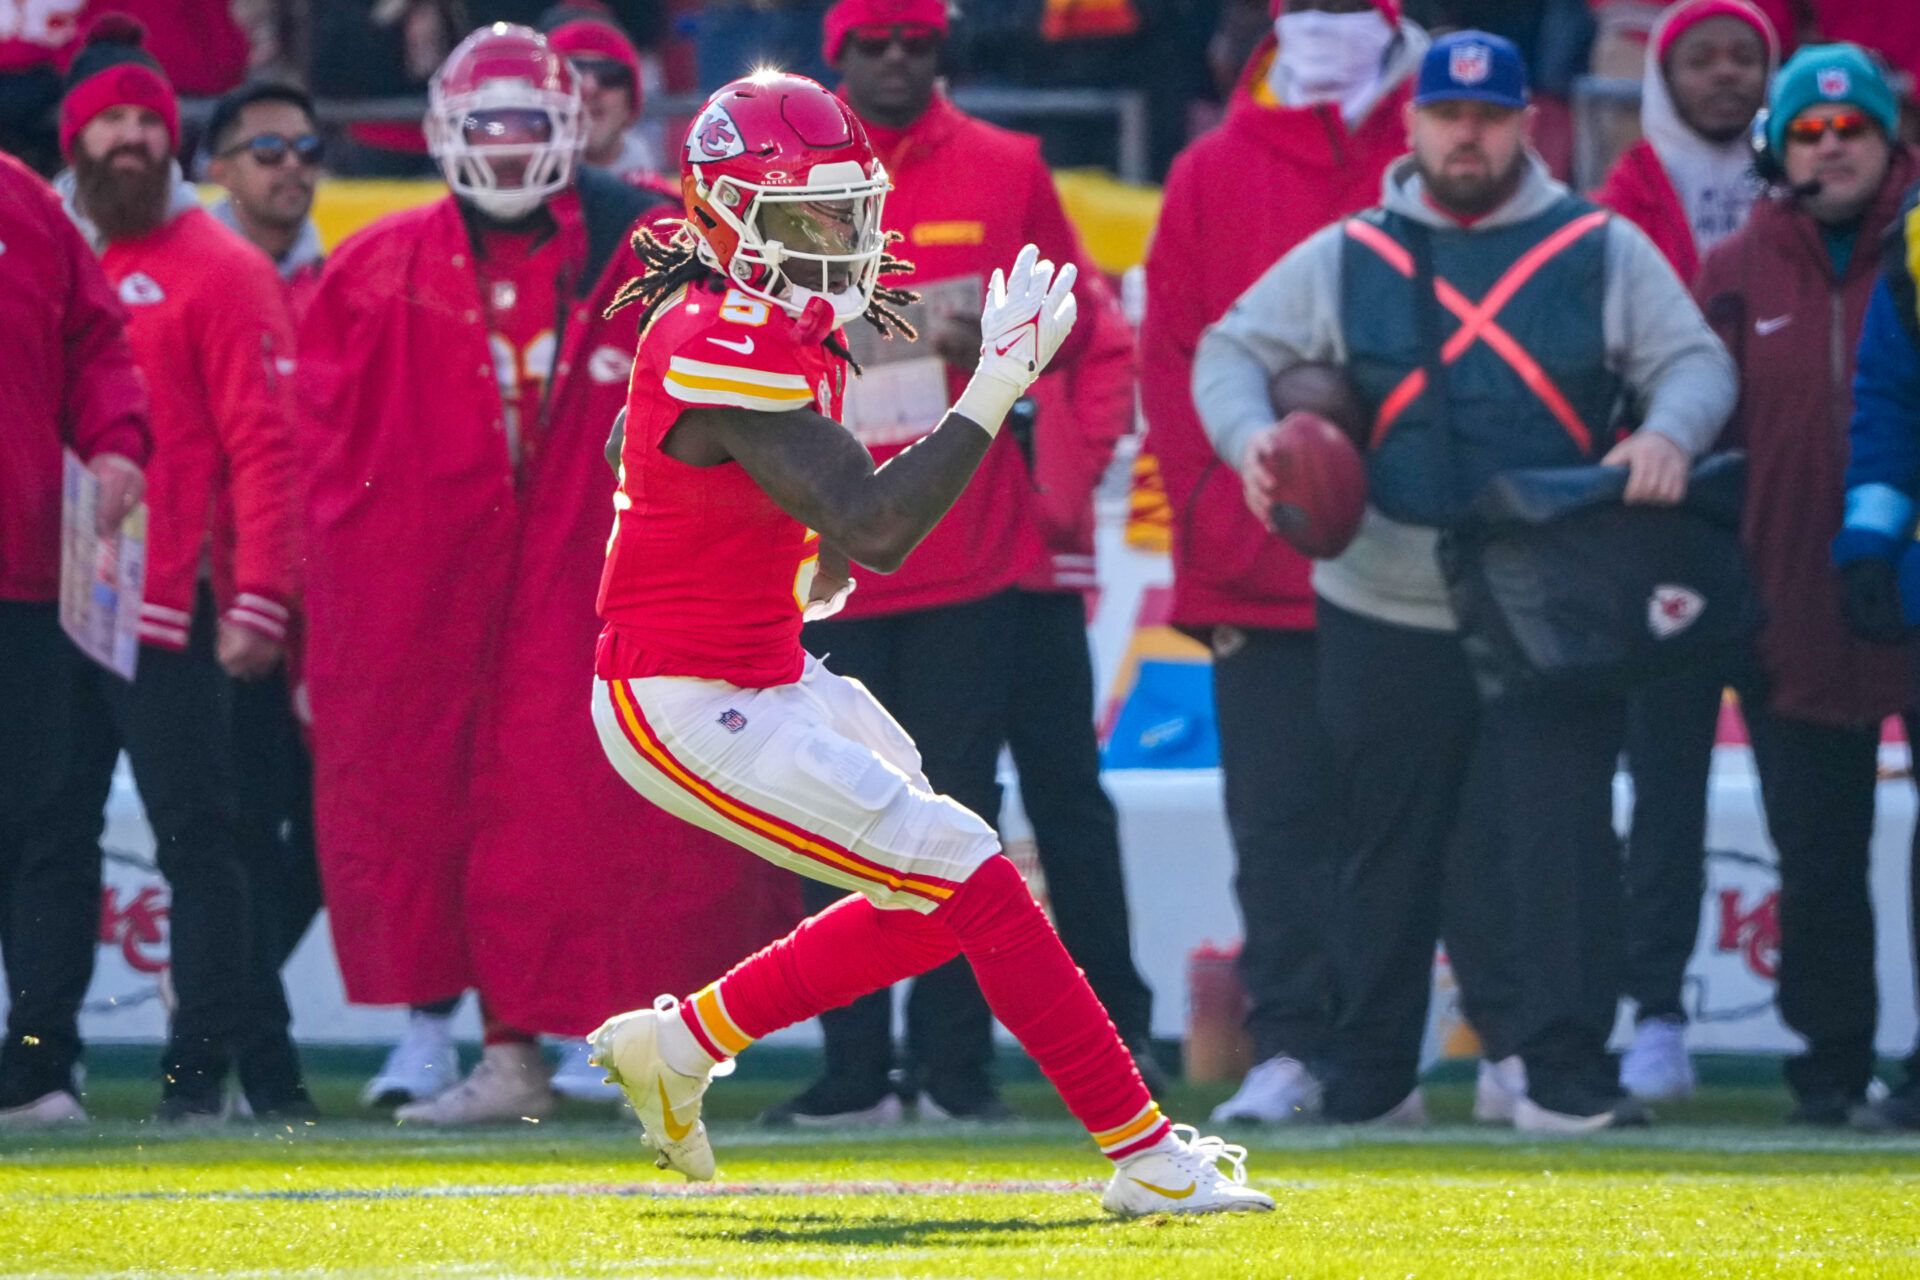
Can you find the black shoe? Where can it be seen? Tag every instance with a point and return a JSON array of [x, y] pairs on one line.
[[191, 1109], [976, 1101], [836, 1101], [1826, 1109], [289, 1107], [1898, 1111]]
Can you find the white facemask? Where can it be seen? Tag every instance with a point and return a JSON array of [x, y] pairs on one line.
[[1329, 57]]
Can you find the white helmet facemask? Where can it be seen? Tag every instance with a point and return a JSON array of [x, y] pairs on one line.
[[505, 180], [821, 239]]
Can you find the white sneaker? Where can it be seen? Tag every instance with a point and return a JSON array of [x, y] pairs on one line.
[[1278, 1091], [45, 1111], [1498, 1089], [422, 1065], [575, 1077], [627, 1047], [509, 1084], [1655, 1066], [1530, 1117], [1185, 1178]]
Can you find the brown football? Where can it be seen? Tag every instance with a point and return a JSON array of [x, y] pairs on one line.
[[1320, 485], [1321, 389]]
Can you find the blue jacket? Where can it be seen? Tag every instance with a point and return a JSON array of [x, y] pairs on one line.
[[1883, 474]]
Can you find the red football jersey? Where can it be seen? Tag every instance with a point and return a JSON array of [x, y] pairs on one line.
[[705, 576]]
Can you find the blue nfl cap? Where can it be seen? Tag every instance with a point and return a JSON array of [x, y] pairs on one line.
[[1472, 66]]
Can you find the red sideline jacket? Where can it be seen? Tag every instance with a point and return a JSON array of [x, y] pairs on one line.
[[70, 377], [966, 196], [1793, 329], [1637, 188], [471, 832], [1236, 201], [1084, 411], [210, 329]]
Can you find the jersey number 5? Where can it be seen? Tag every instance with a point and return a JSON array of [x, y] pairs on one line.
[[738, 308]]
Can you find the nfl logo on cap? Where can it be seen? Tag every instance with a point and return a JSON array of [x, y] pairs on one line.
[[1472, 66], [1833, 83], [1469, 63]]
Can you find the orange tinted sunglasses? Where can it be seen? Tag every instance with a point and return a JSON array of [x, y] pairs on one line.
[[1846, 126]]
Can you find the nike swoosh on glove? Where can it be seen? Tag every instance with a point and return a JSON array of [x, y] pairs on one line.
[[1028, 313]]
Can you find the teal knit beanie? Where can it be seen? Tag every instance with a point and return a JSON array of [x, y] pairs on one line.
[[1829, 73]]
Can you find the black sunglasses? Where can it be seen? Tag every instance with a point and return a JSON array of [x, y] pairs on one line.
[[920, 44], [270, 150], [606, 73]]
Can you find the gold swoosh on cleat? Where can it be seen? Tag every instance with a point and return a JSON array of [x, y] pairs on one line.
[[1181, 1194], [678, 1132]]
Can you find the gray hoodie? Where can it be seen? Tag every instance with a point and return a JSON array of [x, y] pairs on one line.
[[1657, 342]]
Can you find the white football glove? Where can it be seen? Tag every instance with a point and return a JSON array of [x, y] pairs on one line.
[[1028, 313]]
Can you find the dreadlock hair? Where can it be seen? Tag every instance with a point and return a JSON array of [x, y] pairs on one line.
[[674, 263]]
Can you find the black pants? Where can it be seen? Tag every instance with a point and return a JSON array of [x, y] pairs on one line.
[[49, 904], [1411, 739], [1818, 784], [1670, 734], [1075, 830], [174, 722], [1281, 797], [275, 812], [944, 675]]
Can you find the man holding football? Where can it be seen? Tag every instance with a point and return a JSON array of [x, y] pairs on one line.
[[1539, 317], [742, 504]]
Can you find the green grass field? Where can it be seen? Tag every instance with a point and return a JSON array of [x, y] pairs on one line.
[[1719, 1189]]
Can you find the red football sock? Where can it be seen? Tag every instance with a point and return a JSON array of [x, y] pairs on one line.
[[1040, 995], [831, 959], [1029, 981]]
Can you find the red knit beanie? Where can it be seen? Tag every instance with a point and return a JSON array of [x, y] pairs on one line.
[[113, 69], [849, 16]]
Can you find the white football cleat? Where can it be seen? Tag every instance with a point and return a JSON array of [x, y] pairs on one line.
[[1184, 1178], [577, 1078], [1278, 1091], [627, 1048], [1498, 1089], [1655, 1067], [424, 1064], [510, 1083], [44, 1112]]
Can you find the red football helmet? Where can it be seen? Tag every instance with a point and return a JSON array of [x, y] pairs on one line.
[[503, 120], [783, 191]]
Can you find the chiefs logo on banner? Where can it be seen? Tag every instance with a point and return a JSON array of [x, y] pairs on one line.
[[714, 136]]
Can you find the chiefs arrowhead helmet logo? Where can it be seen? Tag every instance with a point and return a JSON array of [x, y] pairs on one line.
[[714, 136], [1671, 609]]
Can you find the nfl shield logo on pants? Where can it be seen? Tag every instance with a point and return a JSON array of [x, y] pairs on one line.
[[1671, 609], [1469, 63]]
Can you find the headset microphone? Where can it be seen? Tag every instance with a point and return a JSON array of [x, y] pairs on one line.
[[1806, 190]]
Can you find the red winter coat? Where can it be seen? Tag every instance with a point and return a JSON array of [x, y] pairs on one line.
[[208, 320], [1638, 189], [1236, 201], [1770, 292], [1083, 413], [966, 196], [471, 833], [69, 378]]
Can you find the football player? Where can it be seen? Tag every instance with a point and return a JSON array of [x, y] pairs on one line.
[[742, 505]]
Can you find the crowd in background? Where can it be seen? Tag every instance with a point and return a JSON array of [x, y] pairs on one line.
[[303, 623]]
